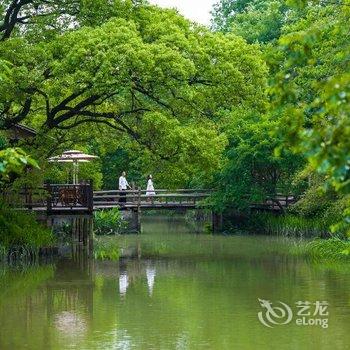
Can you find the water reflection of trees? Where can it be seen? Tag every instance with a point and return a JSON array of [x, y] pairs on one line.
[[70, 292], [163, 302], [22, 298], [51, 300]]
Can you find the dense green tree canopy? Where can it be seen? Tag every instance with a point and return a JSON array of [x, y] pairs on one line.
[[307, 48], [311, 89], [256, 21], [137, 71], [123, 69], [253, 170], [224, 11]]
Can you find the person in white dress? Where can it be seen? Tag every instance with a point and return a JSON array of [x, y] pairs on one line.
[[150, 187]]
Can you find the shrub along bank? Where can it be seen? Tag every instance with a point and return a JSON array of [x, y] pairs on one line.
[[21, 236]]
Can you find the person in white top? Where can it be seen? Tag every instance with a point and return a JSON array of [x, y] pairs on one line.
[[150, 187], [123, 186]]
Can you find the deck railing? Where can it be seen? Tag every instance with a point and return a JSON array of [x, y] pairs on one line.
[[60, 196], [51, 197]]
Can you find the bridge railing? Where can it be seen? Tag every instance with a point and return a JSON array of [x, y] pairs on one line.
[[26, 197], [276, 202], [68, 196], [62, 196], [162, 197], [52, 197]]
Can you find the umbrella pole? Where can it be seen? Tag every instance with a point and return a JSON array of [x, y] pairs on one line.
[[74, 173], [77, 173]]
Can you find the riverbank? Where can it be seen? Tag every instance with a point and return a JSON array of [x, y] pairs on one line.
[[331, 249], [313, 236], [21, 236]]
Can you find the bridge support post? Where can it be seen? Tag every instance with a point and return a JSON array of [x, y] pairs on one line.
[[49, 221], [136, 219], [90, 196], [90, 227], [48, 198], [217, 222]]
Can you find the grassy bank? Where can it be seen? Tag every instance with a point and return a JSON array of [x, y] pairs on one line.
[[21, 236], [332, 249], [320, 243], [288, 226]]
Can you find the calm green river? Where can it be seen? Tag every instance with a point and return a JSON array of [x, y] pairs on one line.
[[174, 289]]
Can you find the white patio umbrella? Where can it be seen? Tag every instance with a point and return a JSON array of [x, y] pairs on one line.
[[75, 157]]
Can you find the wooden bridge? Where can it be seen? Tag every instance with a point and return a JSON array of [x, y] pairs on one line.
[[75, 199], [163, 199], [54, 200]]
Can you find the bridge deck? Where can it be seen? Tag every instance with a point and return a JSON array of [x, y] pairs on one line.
[[67, 199], [128, 206]]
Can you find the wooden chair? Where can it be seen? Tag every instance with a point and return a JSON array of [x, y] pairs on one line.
[[68, 197]]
